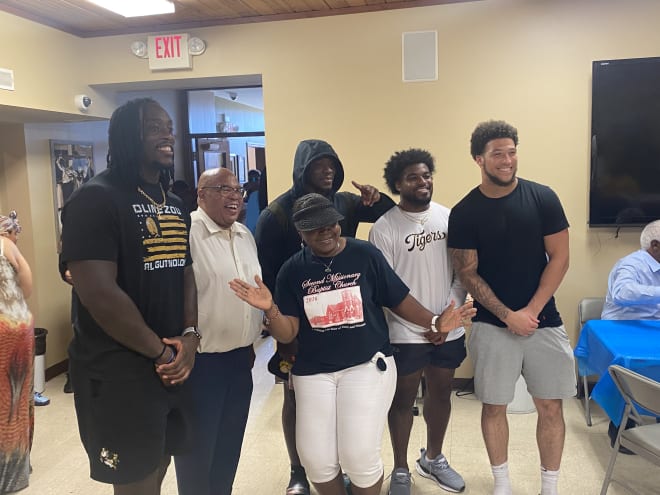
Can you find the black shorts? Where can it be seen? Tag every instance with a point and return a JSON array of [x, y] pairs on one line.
[[410, 358], [127, 427]]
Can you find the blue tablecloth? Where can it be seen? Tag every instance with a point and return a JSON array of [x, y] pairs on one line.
[[634, 344]]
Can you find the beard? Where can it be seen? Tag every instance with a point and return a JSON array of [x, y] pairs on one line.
[[160, 169], [160, 166], [412, 199], [163, 165], [499, 182]]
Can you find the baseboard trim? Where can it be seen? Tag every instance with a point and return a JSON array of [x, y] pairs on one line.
[[57, 369]]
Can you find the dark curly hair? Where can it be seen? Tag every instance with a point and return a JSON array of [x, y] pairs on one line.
[[487, 131], [395, 166], [125, 142]]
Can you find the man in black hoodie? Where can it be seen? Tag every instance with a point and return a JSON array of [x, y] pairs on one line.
[[316, 169]]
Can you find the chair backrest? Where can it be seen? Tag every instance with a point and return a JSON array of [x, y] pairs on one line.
[[637, 388], [590, 308]]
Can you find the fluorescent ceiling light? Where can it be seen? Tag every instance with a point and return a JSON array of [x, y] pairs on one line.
[[136, 8]]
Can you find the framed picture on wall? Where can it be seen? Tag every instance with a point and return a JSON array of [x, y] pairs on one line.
[[72, 164]]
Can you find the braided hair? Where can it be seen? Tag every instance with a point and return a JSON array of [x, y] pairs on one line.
[[125, 142]]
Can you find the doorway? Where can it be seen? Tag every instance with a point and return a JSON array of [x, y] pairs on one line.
[[225, 129]]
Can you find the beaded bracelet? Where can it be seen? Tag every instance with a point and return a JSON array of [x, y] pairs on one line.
[[173, 356], [161, 353]]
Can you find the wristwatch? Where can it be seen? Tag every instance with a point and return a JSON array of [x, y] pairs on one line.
[[192, 330]]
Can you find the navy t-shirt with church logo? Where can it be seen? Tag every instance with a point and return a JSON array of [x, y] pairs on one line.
[[340, 311]]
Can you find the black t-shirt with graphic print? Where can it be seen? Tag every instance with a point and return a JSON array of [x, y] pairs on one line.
[[105, 220], [341, 317]]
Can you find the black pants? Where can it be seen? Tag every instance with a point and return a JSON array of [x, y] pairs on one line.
[[221, 388]]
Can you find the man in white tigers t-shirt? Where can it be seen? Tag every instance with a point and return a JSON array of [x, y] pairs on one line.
[[413, 238]]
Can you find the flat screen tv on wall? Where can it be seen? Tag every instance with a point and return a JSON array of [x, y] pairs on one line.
[[625, 143]]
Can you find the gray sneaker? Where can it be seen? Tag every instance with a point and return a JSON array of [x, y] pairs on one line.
[[441, 472], [400, 482]]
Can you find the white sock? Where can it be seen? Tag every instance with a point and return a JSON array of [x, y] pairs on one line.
[[502, 481], [549, 482]]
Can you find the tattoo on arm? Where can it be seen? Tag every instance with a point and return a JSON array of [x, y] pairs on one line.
[[465, 262]]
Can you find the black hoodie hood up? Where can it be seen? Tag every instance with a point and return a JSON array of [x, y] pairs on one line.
[[308, 151]]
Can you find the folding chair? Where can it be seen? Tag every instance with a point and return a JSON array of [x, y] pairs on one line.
[[643, 440], [589, 308]]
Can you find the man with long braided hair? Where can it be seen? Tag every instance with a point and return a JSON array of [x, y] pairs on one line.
[[125, 242]]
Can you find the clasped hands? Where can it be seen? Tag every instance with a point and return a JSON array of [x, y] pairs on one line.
[[178, 370], [522, 322]]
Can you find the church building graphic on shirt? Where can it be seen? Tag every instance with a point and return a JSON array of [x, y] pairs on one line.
[[335, 308]]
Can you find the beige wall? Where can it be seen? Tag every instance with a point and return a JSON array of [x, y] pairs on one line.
[[48, 68], [339, 79], [26, 185], [14, 186], [15, 193]]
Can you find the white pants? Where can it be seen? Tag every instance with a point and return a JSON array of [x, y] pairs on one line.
[[340, 419]]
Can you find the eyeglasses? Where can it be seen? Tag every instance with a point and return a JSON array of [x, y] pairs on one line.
[[227, 190]]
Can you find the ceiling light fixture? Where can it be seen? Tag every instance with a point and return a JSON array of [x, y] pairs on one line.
[[133, 8], [196, 46]]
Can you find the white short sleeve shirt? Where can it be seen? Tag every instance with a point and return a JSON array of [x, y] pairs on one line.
[[220, 255], [415, 246]]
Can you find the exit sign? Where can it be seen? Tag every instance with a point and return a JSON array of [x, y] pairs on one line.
[[169, 51]]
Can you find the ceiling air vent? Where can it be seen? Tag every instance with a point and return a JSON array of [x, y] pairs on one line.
[[7, 79]]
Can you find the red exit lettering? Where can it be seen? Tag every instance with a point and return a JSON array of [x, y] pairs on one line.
[[168, 46]]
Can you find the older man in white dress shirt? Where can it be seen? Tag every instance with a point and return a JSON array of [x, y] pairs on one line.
[[221, 381]]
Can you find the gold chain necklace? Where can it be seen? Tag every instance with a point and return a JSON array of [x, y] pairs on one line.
[[421, 219], [158, 206]]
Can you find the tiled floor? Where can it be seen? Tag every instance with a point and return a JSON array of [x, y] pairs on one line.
[[60, 464]]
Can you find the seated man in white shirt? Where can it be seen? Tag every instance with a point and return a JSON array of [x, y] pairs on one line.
[[633, 288], [633, 291], [221, 380]]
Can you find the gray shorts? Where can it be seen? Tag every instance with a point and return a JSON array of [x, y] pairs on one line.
[[545, 359]]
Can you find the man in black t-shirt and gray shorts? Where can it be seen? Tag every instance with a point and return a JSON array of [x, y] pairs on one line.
[[125, 242], [508, 240]]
